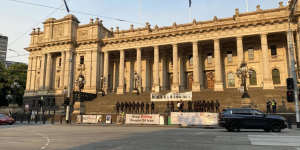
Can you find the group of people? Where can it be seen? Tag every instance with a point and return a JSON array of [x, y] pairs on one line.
[[195, 106], [135, 107], [271, 104]]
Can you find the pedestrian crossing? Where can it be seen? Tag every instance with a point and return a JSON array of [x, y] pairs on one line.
[[275, 140]]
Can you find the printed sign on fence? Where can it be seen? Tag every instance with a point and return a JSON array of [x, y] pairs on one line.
[[186, 96], [91, 118], [142, 119], [201, 118]]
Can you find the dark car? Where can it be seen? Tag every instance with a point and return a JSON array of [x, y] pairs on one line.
[[234, 119], [4, 119]]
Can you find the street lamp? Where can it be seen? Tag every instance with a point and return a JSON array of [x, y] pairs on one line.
[[243, 73]]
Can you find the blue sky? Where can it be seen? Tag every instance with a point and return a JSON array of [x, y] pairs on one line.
[[17, 19]]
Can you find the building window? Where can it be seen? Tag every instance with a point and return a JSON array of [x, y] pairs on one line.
[[273, 50], [250, 53], [276, 76], [252, 78], [229, 56], [58, 83], [209, 58], [59, 62], [81, 60], [191, 60], [231, 79]]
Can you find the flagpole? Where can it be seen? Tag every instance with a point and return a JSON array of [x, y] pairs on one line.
[[190, 14]]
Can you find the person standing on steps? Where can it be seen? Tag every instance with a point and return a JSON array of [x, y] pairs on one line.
[[117, 107], [122, 107], [138, 107], [190, 106], [217, 104], [172, 107], [152, 108], [133, 107], [142, 107], [147, 108], [129, 107], [269, 106], [274, 105]]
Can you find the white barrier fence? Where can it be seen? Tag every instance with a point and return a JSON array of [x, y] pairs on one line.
[[197, 118], [142, 119]]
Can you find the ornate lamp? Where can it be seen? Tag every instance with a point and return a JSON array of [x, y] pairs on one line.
[[243, 73]]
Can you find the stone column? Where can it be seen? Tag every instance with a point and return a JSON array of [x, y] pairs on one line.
[[196, 84], [175, 85], [219, 85], [201, 72], [42, 72], [164, 73], [298, 50], [28, 80], [48, 71], [240, 50], [120, 89], [105, 71], [156, 87], [33, 71], [62, 73], [139, 68], [267, 78]]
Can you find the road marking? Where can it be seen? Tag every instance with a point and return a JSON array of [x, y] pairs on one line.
[[47, 139], [274, 140]]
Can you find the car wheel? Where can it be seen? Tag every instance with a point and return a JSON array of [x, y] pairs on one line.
[[235, 127], [229, 129], [276, 127]]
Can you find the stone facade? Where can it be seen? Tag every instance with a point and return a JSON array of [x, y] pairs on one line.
[[194, 56]]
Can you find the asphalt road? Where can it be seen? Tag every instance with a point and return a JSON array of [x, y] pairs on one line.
[[65, 137]]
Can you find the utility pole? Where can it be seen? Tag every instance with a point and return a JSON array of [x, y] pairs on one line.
[[292, 7]]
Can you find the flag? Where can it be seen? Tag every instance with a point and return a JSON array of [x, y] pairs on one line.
[[190, 3], [66, 6]]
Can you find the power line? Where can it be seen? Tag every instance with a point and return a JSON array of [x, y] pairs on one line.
[[79, 12]]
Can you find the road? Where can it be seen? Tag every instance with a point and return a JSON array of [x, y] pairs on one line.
[[73, 137]]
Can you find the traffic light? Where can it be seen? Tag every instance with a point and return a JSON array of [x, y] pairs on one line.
[[290, 83], [290, 96]]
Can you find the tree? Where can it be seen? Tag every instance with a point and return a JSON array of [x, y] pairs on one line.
[[16, 72]]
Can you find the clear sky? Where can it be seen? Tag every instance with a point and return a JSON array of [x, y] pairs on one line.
[[18, 19]]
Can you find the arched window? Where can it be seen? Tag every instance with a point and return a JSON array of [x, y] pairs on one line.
[[252, 78], [276, 76], [231, 80]]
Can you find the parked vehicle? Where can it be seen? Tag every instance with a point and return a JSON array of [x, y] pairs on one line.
[[234, 119], [4, 119]]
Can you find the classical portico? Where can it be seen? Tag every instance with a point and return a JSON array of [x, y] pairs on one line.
[[197, 56]]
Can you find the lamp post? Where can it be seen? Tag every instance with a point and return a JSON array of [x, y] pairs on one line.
[[243, 73]]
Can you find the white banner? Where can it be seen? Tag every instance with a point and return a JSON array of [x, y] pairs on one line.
[[187, 96], [142, 119], [200, 118], [91, 118]]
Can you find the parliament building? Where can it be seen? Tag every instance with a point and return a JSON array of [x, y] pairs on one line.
[[200, 56]]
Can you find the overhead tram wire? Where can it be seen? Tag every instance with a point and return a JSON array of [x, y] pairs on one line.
[[74, 11], [26, 32]]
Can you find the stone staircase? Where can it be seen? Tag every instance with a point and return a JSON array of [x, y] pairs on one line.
[[228, 98]]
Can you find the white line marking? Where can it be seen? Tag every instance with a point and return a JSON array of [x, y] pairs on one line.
[[45, 137]]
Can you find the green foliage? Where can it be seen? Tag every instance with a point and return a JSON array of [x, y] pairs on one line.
[[16, 72]]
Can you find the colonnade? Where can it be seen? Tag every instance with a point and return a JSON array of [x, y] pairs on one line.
[[198, 68]]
